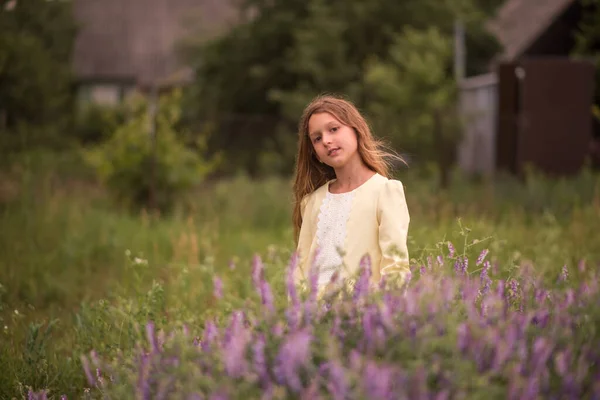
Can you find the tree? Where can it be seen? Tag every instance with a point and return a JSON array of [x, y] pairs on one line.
[[36, 41], [413, 97], [292, 50]]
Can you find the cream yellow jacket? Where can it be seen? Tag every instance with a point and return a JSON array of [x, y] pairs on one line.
[[377, 226]]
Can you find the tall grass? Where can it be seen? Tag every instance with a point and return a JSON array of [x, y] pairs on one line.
[[78, 273]]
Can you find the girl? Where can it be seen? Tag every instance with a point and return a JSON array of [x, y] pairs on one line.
[[346, 206]]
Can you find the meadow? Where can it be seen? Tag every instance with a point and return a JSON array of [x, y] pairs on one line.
[[101, 302]]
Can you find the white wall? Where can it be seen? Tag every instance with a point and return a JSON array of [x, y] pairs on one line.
[[479, 108]]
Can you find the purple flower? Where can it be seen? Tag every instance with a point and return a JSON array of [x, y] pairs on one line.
[[217, 287], [277, 330], [211, 333], [257, 272], [564, 274], [260, 363], [336, 382], [440, 260], [460, 265], [312, 391], [561, 362], [377, 381], [361, 288], [143, 384], [481, 257], [542, 349], [234, 349], [450, 250], [463, 337], [87, 370], [485, 279], [368, 326], [293, 355], [267, 296], [151, 336], [43, 395]]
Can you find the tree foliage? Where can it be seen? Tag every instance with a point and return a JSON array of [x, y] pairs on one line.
[[291, 50], [36, 42]]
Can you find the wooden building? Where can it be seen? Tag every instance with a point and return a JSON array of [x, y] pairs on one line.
[[132, 45], [535, 105]]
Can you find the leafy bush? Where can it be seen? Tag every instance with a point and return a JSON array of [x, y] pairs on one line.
[[95, 123], [142, 170]]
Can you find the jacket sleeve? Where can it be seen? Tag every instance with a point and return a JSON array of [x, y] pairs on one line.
[[304, 242], [393, 218]]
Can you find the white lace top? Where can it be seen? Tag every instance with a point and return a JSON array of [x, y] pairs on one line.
[[331, 233]]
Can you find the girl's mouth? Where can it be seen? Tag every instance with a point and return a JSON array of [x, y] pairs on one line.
[[333, 152]]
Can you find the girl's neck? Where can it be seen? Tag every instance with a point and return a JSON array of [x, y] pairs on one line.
[[351, 177]]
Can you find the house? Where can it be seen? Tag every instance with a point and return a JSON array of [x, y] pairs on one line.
[[534, 107], [125, 46]]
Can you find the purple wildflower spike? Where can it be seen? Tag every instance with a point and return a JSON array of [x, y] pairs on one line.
[[277, 330], [463, 339], [87, 370], [257, 272], [564, 274], [368, 326], [267, 296], [260, 363], [481, 257], [361, 288], [210, 334], [234, 350], [151, 336], [485, 279], [561, 363], [336, 384], [63, 397], [143, 384], [542, 349], [450, 249], [440, 260], [377, 381], [312, 391], [217, 287], [293, 355]]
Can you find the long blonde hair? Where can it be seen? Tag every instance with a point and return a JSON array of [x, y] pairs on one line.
[[310, 173]]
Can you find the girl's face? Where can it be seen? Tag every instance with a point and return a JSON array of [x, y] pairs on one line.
[[334, 143]]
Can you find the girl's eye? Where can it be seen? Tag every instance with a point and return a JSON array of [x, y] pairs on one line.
[[317, 139], [335, 128]]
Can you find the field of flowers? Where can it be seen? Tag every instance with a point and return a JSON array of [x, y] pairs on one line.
[[101, 303]]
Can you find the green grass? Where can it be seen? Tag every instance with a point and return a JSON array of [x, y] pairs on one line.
[[63, 247]]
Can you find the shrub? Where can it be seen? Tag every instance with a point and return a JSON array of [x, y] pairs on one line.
[[142, 170]]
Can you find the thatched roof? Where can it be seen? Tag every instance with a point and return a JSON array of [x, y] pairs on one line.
[[135, 40], [520, 22]]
